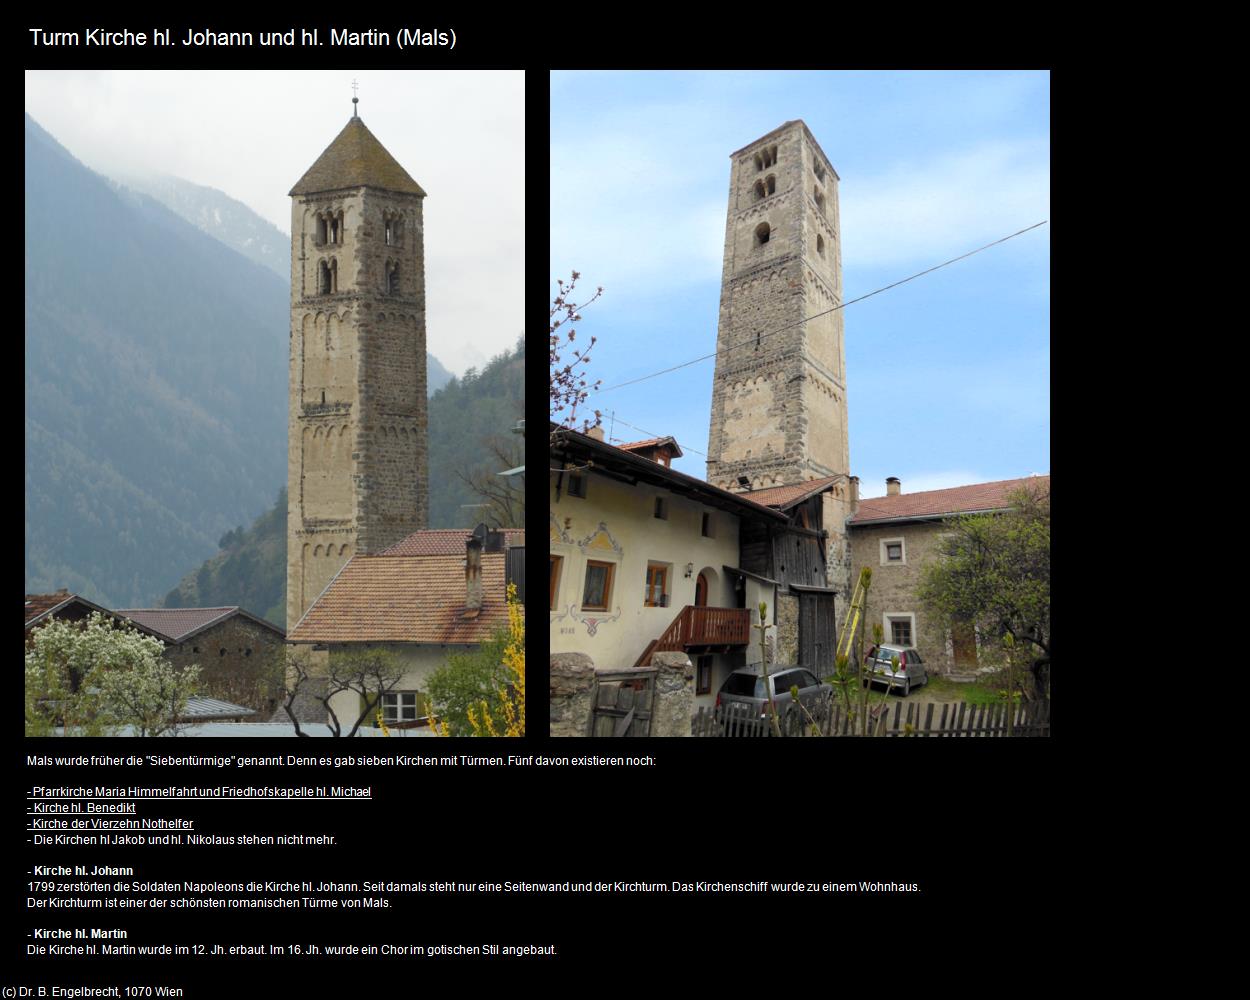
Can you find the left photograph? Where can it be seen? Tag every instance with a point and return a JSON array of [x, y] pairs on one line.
[[274, 400]]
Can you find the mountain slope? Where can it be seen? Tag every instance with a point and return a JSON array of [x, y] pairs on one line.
[[155, 385], [250, 568], [238, 227]]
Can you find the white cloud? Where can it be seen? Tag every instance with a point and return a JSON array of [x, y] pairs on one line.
[[922, 211], [460, 134]]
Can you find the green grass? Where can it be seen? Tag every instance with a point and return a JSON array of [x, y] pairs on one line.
[[974, 693]]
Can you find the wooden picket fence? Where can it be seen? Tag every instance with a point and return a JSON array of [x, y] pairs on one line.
[[909, 719]]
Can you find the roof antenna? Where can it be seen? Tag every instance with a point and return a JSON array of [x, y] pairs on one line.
[[355, 100]]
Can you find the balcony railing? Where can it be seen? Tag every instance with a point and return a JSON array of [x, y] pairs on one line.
[[701, 626]]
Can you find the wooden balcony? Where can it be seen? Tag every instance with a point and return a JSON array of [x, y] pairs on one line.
[[702, 630]]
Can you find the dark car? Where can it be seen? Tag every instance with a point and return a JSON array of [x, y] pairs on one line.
[[746, 686], [879, 668]]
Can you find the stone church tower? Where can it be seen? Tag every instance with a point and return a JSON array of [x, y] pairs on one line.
[[779, 413], [779, 391], [357, 445]]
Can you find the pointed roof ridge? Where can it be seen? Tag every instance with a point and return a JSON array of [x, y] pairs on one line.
[[356, 159]]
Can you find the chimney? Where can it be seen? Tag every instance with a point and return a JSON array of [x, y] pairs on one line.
[[853, 482], [595, 432], [473, 571], [892, 487]]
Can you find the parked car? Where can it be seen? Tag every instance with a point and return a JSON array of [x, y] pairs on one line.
[[746, 685], [879, 667]]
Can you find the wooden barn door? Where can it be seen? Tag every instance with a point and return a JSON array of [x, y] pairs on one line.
[[817, 639]]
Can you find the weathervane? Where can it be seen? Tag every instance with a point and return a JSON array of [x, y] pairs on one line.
[[355, 100]]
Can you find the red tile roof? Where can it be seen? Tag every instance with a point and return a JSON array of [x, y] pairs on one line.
[[956, 500], [406, 599], [446, 542], [787, 496], [652, 443], [38, 604], [179, 624]]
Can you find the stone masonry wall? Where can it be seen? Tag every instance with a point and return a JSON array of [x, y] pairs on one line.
[[357, 461], [893, 589], [779, 392], [237, 663]]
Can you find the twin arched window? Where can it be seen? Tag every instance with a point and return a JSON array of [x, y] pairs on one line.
[[393, 228], [330, 228], [328, 276]]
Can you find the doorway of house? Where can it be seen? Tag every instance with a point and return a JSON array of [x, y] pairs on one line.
[[700, 592]]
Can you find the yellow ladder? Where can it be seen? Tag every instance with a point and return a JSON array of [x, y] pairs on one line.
[[847, 638]]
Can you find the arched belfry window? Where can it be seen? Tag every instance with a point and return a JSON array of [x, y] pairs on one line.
[[762, 232], [820, 200], [759, 190], [393, 228], [771, 184], [322, 227], [392, 277], [820, 245], [328, 277], [336, 228]]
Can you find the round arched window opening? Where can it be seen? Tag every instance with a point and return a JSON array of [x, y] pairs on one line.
[[762, 232]]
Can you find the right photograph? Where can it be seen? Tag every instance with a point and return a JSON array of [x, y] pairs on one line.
[[800, 404]]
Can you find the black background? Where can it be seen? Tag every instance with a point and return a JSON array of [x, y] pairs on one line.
[[976, 824]]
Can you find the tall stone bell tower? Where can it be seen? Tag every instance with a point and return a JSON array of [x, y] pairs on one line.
[[357, 447]]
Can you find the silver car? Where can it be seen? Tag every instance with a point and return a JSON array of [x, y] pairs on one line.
[[879, 668], [746, 685]]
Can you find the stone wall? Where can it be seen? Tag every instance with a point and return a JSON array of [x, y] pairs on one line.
[[575, 686], [674, 694], [572, 693], [357, 463], [239, 662], [893, 590], [779, 390], [786, 635]]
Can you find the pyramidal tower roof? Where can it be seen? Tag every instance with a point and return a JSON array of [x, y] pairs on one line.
[[356, 159]]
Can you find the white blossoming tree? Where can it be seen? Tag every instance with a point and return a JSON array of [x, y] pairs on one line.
[[95, 677]]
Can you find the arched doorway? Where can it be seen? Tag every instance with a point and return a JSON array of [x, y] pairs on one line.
[[700, 592]]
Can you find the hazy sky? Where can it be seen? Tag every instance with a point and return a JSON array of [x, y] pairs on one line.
[[948, 377], [460, 135]]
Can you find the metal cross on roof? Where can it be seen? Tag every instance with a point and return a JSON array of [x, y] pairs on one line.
[[355, 99]]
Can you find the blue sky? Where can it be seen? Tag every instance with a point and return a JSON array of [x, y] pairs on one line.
[[948, 376]]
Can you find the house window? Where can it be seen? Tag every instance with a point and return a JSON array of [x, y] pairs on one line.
[[893, 552], [703, 676], [399, 707], [900, 627], [656, 595], [556, 563], [661, 508], [597, 593], [709, 530], [577, 485]]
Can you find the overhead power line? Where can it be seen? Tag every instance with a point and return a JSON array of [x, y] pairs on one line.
[[763, 336]]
